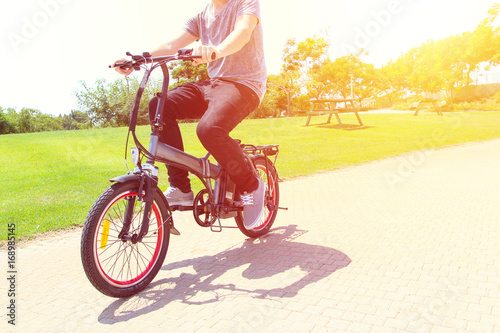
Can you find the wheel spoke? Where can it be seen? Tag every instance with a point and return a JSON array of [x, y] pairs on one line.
[[124, 261]]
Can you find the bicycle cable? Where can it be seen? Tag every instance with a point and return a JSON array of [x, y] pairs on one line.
[[142, 150], [136, 140], [128, 134]]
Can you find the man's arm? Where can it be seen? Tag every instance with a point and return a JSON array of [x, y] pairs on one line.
[[183, 39], [239, 37]]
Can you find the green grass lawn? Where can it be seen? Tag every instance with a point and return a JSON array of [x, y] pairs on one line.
[[51, 179]]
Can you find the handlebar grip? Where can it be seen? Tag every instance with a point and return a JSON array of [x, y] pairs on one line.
[[122, 64], [117, 65]]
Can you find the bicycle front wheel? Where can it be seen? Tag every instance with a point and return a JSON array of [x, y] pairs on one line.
[[123, 266]]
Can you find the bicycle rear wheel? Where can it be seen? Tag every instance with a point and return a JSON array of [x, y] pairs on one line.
[[269, 175], [121, 267]]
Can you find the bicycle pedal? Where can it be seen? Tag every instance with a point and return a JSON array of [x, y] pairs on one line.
[[181, 208]]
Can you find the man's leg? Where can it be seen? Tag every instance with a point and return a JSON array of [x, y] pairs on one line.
[[183, 102], [228, 104]]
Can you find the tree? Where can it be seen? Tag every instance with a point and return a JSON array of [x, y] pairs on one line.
[[349, 74], [109, 104], [446, 64], [46, 123], [494, 42], [75, 120], [267, 108], [301, 63], [283, 85], [302, 56], [185, 72], [106, 104], [391, 81], [26, 120], [8, 121]]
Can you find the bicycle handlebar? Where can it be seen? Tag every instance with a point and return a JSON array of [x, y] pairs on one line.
[[138, 60]]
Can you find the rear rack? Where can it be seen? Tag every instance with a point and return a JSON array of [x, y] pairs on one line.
[[267, 150]]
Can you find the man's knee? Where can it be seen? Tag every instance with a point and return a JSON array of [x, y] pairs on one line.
[[208, 133], [203, 131]]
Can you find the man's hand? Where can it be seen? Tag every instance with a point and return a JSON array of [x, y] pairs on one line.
[[121, 70], [208, 53]]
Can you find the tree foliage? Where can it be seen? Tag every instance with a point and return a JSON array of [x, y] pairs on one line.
[[435, 66], [183, 72], [301, 68], [446, 64], [307, 72], [31, 120], [109, 104]]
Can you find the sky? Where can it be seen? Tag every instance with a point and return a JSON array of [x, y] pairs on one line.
[[49, 46]]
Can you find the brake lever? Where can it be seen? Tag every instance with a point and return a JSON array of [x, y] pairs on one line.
[[130, 64]]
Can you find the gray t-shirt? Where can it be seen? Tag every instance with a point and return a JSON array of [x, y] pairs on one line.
[[246, 66]]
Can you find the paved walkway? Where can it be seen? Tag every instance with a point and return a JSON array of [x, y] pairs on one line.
[[406, 244]]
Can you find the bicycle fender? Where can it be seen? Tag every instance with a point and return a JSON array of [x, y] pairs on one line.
[[256, 156], [125, 178], [136, 178]]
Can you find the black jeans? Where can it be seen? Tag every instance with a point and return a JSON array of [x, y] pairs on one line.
[[220, 106]]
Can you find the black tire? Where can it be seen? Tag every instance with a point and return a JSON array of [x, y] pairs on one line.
[[270, 177], [121, 268]]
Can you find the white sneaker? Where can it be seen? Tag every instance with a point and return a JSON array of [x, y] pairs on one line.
[[253, 206], [177, 197]]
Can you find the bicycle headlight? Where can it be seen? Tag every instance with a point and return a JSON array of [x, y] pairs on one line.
[[135, 155]]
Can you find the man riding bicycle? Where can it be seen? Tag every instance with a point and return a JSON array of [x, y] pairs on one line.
[[231, 42]]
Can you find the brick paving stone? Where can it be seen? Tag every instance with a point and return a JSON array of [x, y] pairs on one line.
[[382, 329], [480, 326], [490, 319], [223, 324], [355, 252], [443, 329], [397, 324], [496, 310], [374, 320], [367, 309], [319, 329], [338, 324], [454, 322], [359, 327]]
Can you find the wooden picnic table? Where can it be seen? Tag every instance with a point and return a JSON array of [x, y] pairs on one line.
[[332, 109], [418, 106]]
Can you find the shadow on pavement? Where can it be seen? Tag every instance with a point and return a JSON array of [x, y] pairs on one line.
[[295, 264]]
